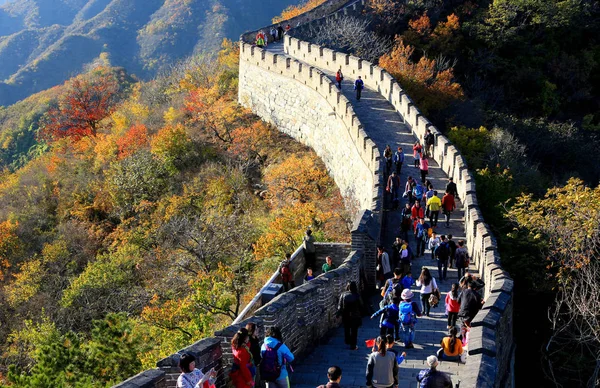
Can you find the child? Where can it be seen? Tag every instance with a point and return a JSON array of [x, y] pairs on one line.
[[390, 345], [407, 281], [309, 275], [391, 313]]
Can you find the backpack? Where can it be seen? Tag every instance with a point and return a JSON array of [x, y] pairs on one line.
[[418, 191], [393, 289], [442, 251], [270, 368], [407, 315], [461, 258], [423, 378], [391, 315]]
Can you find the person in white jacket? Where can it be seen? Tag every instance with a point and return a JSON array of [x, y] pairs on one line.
[[428, 285], [434, 242]]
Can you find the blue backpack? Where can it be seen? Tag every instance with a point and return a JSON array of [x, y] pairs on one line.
[[418, 191], [407, 315]]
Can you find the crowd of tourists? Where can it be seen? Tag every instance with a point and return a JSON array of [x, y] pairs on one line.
[[399, 311]]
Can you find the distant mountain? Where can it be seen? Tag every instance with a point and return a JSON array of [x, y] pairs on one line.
[[45, 42]]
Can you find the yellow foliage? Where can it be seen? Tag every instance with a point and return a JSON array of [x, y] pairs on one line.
[[26, 282], [295, 10]]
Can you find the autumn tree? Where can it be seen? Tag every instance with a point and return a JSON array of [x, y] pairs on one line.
[[87, 100], [133, 140], [9, 244], [295, 10], [432, 88]]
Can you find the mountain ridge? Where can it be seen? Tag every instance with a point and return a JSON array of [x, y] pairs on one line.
[[143, 36]]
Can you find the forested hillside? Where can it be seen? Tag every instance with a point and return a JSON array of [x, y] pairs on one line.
[[148, 214], [45, 42]]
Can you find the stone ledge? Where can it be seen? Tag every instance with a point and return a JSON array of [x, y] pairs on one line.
[[147, 379], [482, 340]]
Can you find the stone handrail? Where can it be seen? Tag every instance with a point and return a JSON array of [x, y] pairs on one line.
[[491, 346]]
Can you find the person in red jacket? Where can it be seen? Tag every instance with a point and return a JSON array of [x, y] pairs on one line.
[[417, 211], [452, 305], [243, 369], [448, 206]]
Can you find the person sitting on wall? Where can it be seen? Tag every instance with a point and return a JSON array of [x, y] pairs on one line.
[[328, 266], [191, 377]]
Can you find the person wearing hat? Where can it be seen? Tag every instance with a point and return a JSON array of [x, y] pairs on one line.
[[409, 311], [432, 378]]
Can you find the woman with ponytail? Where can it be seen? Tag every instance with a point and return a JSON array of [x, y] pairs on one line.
[[382, 367], [243, 369], [451, 349]]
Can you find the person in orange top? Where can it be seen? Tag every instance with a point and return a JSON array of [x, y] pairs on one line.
[[451, 349], [243, 369], [417, 211], [448, 206]]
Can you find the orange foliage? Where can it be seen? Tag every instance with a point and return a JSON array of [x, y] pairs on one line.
[[133, 140], [256, 140], [9, 243], [421, 25], [430, 89], [86, 101], [295, 10]]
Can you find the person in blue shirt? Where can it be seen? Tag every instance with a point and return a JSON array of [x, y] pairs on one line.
[[274, 340], [421, 235], [398, 160], [359, 85]]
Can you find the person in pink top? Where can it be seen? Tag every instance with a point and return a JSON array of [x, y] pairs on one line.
[[424, 167], [417, 148], [452, 305]]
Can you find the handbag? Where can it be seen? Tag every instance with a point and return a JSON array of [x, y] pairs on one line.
[[434, 300]]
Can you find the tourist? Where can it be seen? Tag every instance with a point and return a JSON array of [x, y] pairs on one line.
[[254, 343], [417, 148], [350, 309], [359, 85], [390, 342], [434, 242], [442, 253], [462, 259], [339, 77], [448, 205], [287, 278], [451, 349], [274, 352], [470, 304], [434, 204], [243, 369], [260, 39], [388, 155], [405, 257], [417, 211], [398, 160], [408, 189], [396, 251], [392, 287], [382, 367], [280, 33], [452, 305], [309, 275], [428, 286], [409, 311], [418, 192], [406, 221], [334, 374], [384, 262], [393, 187], [191, 377], [310, 251], [328, 266], [407, 281], [390, 314], [429, 140], [274, 33], [432, 378], [424, 167], [453, 248], [451, 188], [421, 236]]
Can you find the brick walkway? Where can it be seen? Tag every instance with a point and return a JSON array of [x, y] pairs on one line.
[[385, 126]]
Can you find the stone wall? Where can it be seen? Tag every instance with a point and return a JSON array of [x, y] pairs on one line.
[[491, 346], [303, 103]]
